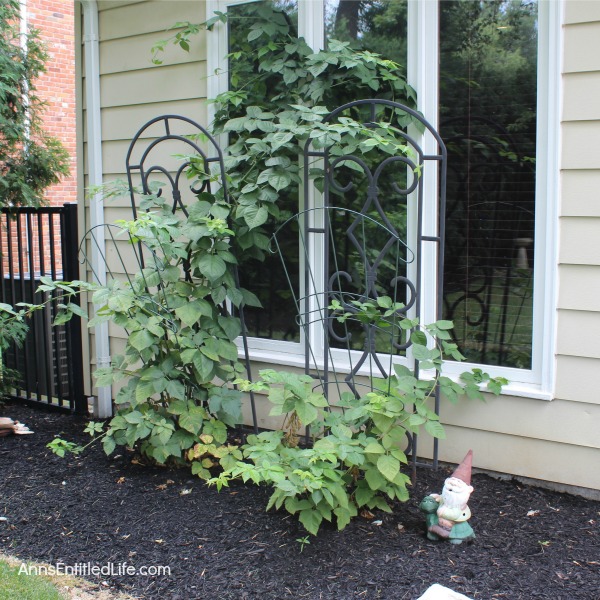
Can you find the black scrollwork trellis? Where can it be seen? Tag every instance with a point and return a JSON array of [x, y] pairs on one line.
[[354, 247], [197, 145]]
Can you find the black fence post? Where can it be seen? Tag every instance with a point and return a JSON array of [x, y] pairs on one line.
[[69, 243]]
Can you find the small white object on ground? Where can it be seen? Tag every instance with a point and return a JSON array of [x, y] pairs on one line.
[[8, 426], [439, 592]]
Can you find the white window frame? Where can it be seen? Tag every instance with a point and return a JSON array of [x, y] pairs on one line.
[[422, 71]]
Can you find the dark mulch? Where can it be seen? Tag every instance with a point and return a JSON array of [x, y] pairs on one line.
[[224, 545]]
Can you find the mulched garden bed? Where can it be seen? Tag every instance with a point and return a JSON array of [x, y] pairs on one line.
[[97, 509]]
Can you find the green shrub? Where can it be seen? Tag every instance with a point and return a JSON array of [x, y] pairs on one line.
[[356, 459]]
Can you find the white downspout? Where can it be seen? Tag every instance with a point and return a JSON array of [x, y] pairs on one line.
[[103, 403]]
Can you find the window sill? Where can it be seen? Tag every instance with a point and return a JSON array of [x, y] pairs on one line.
[[296, 359]]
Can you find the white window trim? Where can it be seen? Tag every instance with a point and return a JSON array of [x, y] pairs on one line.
[[537, 382]]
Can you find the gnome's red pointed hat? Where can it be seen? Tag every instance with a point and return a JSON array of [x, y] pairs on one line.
[[463, 471]]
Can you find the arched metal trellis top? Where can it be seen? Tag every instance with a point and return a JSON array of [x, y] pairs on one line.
[[144, 165]]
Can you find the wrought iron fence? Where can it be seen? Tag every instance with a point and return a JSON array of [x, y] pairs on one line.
[[36, 243]]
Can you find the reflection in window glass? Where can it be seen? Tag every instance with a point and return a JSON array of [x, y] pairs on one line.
[[266, 278], [488, 70], [375, 25]]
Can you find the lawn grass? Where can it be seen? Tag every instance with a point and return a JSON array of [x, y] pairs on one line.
[[21, 586], [24, 586]]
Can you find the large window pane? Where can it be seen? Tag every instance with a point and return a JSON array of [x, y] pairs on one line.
[[266, 278], [376, 26], [488, 72]]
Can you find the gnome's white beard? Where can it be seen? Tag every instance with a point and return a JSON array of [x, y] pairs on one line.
[[456, 493], [453, 507]]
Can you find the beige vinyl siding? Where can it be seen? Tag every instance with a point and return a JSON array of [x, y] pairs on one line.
[[133, 90], [578, 335], [582, 90], [576, 409], [527, 457], [576, 381], [579, 12], [579, 37], [581, 144], [577, 187], [123, 122]]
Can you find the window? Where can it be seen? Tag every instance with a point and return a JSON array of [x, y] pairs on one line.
[[486, 76], [487, 117]]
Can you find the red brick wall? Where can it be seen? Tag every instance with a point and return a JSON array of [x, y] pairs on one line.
[[55, 21]]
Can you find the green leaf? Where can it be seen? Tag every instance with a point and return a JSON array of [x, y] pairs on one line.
[[192, 420], [204, 365], [191, 312], [212, 266], [421, 352], [108, 444], [255, 216], [227, 350], [175, 389], [280, 139], [77, 310], [388, 466], [134, 417], [435, 429], [211, 349], [363, 495], [250, 299], [374, 448], [343, 517], [171, 274], [178, 407], [311, 519], [374, 479], [279, 180], [231, 326], [234, 295], [255, 34], [144, 390], [307, 413], [340, 495], [142, 339], [278, 161], [418, 337], [200, 471], [104, 377]]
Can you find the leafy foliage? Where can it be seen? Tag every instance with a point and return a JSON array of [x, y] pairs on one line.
[[13, 330], [30, 160], [279, 92], [277, 103], [356, 459], [180, 337]]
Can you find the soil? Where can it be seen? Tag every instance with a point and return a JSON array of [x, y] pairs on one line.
[[531, 543]]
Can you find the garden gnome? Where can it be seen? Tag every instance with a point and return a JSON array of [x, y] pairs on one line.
[[447, 514]]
